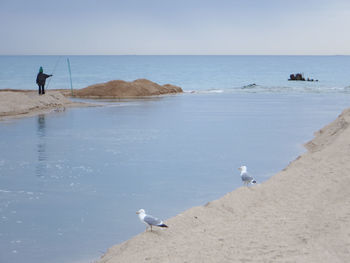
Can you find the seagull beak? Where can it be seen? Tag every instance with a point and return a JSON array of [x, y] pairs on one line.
[[137, 212]]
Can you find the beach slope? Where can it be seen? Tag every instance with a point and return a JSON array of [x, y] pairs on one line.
[[23, 103], [301, 214]]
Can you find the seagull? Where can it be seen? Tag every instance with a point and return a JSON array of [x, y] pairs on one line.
[[246, 178], [150, 220]]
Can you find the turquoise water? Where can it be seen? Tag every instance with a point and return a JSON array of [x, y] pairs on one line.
[[71, 181]]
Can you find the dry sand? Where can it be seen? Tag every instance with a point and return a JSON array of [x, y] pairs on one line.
[[23, 103], [301, 214], [125, 89]]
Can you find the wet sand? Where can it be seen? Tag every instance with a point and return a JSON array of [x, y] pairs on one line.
[[24, 103], [301, 214]]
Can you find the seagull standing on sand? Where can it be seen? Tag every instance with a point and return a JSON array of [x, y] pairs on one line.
[[150, 220], [246, 178]]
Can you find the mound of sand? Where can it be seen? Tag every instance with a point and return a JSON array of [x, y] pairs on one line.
[[302, 214], [124, 89]]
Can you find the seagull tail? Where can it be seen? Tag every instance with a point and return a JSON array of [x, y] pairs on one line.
[[254, 182], [163, 225]]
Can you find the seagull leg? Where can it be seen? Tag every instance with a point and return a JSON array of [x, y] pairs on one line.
[[151, 228]]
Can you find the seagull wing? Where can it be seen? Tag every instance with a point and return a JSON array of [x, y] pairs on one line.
[[247, 178], [152, 221]]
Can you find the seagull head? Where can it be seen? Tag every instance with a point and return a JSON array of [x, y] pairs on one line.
[[243, 169], [141, 211]]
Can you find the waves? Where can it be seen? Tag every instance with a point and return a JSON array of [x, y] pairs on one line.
[[255, 88], [205, 91]]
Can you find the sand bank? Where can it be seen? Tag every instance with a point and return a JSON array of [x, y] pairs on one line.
[[22, 103], [301, 214], [125, 89]]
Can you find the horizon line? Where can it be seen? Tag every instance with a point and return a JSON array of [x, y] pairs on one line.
[[325, 55]]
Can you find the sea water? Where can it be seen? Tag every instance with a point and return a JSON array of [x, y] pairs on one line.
[[71, 181], [192, 73]]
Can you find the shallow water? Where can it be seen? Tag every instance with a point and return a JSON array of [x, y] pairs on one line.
[[71, 182]]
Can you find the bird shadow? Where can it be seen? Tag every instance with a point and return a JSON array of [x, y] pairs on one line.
[[154, 232]]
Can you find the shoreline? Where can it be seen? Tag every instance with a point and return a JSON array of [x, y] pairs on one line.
[[16, 104], [300, 214]]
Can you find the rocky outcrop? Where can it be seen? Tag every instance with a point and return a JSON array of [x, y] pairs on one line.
[[297, 76], [300, 77], [125, 89]]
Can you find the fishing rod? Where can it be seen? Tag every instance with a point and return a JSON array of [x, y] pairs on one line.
[[54, 69], [70, 76]]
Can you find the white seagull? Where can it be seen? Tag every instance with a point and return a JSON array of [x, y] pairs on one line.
[[246, 178], [150, 220]]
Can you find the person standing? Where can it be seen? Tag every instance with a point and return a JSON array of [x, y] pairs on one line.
[[41, 79]]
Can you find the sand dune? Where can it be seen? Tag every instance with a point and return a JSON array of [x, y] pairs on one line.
[[125, 89], [301, 214]]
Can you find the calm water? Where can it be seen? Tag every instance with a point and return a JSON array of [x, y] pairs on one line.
[[204, 73], [71, 182]]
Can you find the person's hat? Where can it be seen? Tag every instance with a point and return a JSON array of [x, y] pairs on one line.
[[41, 70]]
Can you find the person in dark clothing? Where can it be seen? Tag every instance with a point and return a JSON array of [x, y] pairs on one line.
[[41, 79]]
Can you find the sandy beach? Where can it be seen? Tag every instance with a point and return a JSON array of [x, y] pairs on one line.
[[301, 214], [24, 103]]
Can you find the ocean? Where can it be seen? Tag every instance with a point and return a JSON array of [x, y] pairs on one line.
[[192, 73], [71, 181]]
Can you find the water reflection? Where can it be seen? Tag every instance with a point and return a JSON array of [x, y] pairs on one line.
[[41, 132]]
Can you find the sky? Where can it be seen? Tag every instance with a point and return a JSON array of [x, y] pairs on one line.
[[178, 27]]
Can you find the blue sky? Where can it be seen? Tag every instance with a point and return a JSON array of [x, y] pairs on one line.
[[175, 27]]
